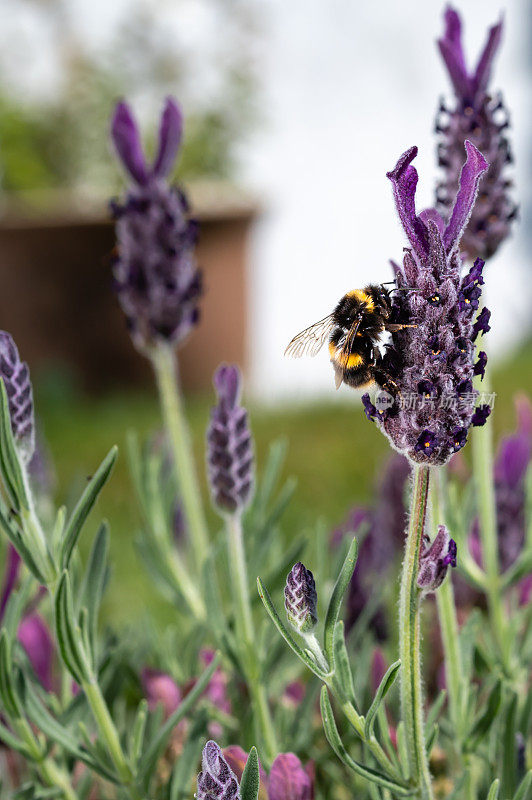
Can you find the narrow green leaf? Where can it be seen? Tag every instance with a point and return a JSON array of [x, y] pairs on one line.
[[431, 739], [434, 711], [158, 743], [8, 691], [274, 463], [303, 655], [333, 737], [19, 544], [85, 504], [384, 687], [250, 783], [524, 787], [403, 753], [187, 762], [12, 742], [484, 722], [494, 790], [68, 633], [335, 602], [343, 672], [137, 733], [94, 580], [509, 750]]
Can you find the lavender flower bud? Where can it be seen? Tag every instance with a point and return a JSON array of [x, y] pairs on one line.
[[301, 599], [34, 635], [216, 780], [229, 445], [435, 559], [16, 377], [155, 274], [482, 120], [289, 780], [435, 400], [161, 689]]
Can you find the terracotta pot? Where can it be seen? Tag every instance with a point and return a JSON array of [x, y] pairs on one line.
[[56, 297]]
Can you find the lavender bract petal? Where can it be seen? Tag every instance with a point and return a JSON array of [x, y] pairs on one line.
[[126, 138], [404, 179], [170, 133], [472, 171], [485, 62], [435, 560]]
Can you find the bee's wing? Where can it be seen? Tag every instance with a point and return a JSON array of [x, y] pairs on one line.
[[345, 351], [310, 341]]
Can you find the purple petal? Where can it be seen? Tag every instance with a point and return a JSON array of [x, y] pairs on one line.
[[523, 410], [512, 459], [34, 636], [288, 779], [170, 132], [126, 138], [404, 179], [433, 215], [227, 384], [474, 167], [161, 689], [10, 578], [485, 62], [452, 53]]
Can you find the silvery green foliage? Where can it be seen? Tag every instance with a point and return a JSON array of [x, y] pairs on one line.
[[300, 599]]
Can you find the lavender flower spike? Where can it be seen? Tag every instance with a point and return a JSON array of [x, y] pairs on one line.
[[155, 274], [216, 780], [435, 559], [301, 599], [432, 362], [16, 377], [229, 445], [478, 117]]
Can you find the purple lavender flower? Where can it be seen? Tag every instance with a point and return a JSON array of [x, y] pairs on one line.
[[435, 559], [161, 689], [482, 120], [34, 635], [300, 599], [216, 780], [155, 275], [440, 306], [16, 377], [288, 780], [229, 445]]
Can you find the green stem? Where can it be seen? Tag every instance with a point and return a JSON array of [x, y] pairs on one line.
[[165, 365], [246, 636], [487, 512], [56, 778], [447, 613], [373, 745], [109, 734], [409, 638]]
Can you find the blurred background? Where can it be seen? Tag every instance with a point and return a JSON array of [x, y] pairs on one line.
[[294, 114]]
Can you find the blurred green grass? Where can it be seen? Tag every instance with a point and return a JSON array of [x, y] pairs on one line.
[[333, 451]]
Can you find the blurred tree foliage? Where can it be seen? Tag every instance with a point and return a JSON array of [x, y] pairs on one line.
[[59, 139]]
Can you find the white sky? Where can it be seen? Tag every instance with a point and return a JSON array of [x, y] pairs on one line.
[[346, 87]]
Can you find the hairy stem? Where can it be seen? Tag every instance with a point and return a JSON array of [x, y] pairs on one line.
[[409, 637], [246, 635], [165, 365], [447, 613]]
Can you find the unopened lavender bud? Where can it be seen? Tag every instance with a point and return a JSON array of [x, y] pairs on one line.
[[483, 119], [155, 274], [435, 560], [16, 377], [300, 599], [216, 780], [229, 445]]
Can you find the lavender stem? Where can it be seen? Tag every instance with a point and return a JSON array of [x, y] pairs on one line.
[[447, 613], [246, 634], [409, 637], [164, 362]]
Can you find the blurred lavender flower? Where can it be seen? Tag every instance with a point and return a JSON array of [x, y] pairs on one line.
[[482, 120], [216, 780], [229, 445], [435, 559], [432, 362], [35, 637], [382, 531], [288, 779], [16, 377], [301, 599], [155, 275], [161, 689]]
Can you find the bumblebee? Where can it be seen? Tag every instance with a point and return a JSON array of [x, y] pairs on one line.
[[354, 331]]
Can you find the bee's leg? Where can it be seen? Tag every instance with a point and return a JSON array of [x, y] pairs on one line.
[[386, 382], [392, 327]]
